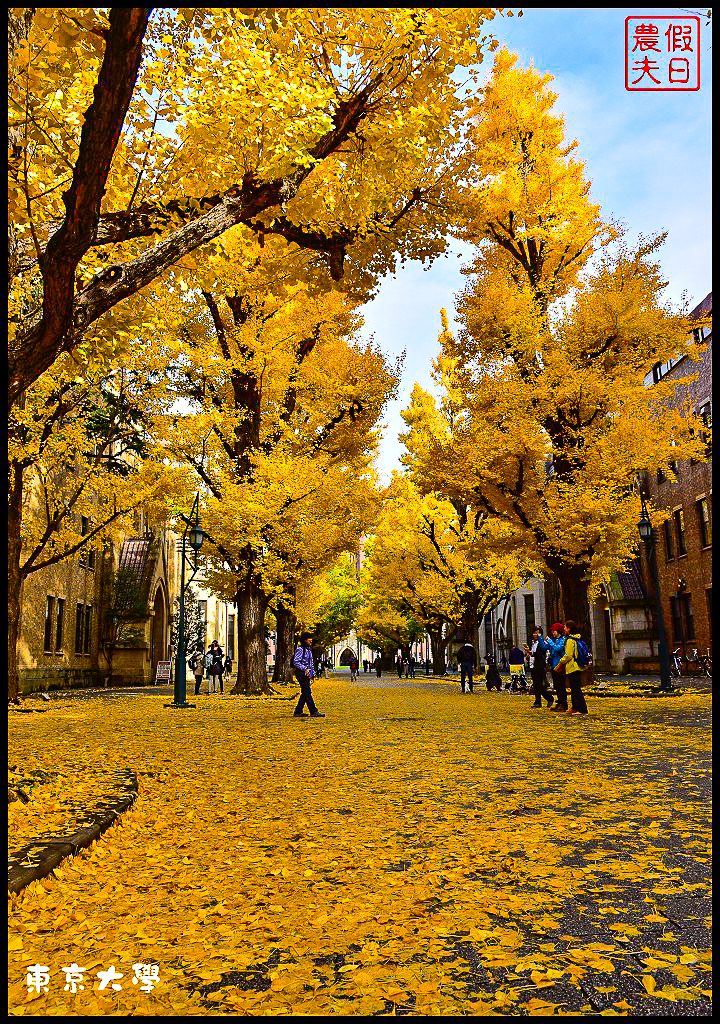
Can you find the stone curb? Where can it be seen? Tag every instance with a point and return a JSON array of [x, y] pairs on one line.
[[50, 852]]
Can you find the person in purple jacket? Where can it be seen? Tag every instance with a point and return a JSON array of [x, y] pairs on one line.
[[304, 668]]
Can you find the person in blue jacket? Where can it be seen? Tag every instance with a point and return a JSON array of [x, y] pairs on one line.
[[304, 668], [554, 646]]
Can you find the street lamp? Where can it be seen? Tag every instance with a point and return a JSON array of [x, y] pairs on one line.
[[647, 535], [194, 535]]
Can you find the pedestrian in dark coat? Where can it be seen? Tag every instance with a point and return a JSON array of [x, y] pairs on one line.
[[227, 671], [467, 659], [304, 668], [378, 666], [214, 661], [538, 668], [197, 665]]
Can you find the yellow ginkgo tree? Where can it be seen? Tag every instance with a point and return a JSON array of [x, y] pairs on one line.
[[282, 401], [429, 566], [545, 420]]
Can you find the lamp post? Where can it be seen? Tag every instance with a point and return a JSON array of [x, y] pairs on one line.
[[195, 535], [647, 535]]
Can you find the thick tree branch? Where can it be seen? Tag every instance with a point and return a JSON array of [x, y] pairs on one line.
[[42, 341], [98, 140]]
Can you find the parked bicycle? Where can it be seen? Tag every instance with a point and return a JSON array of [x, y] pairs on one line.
[[695, 665]]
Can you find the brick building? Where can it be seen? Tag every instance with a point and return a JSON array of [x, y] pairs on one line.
[[684, 543]]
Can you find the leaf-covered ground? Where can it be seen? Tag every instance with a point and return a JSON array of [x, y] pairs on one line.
[[415, 852], [59, 800]]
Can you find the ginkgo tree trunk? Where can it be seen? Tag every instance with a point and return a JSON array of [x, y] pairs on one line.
[[285, 620]]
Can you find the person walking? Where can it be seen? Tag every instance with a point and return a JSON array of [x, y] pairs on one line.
[[554, 647], [492, 676], [197, 667], [365, 666], [214, 662], [411, 666], [574, 668], [399, 665], [467, 659], [353, 668], [538, 669], [378, 666], [304, 668]]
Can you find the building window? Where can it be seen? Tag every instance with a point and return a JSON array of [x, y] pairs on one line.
[[677, 630], [488, 635], [703, 514], [231, 637], [705, 414], [680, 531], [88, 629], [59, 623], [687, 614], [669, 553], [529, 616], [87, 555], [49, 622], [202, 612], [79, 621]]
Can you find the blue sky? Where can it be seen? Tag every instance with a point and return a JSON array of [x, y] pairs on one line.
[[647, 155]]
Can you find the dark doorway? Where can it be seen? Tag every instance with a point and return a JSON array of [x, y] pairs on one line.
[[157, 640], [608, 636]]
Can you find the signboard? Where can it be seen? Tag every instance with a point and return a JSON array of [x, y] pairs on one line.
[[162, 673]]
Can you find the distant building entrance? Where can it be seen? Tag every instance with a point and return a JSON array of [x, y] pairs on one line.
[[346, 655]]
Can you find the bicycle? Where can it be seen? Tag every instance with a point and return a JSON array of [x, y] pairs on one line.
[[697, 664], [704, 662]]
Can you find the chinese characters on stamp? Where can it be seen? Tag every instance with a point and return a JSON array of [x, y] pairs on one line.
[[662, 53]]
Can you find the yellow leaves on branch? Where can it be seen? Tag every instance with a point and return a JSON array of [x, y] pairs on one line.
[[544, 417], [281, 404], [426, 560]]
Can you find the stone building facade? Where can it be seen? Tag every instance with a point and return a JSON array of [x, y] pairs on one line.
[[512, 621], [58, 642], [64, 615]]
